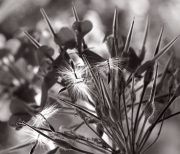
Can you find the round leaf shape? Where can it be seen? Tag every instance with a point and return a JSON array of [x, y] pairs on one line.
[[17, 106], [65, 37], [81, 28]]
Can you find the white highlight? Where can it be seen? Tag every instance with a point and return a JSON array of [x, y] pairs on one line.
[[47, 112], [76, 81], [32, 136], [110, 64]]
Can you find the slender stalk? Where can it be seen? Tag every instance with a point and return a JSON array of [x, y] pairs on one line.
[[137, 115]]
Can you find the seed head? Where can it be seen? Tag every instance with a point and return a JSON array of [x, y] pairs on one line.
[[47, 113]]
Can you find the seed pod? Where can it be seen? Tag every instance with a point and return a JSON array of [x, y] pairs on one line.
[[148, 75], [63, 144], [107, 122], [157, 108], [148, 110], [113, 115], [100, 129], [69, 136], [143, 50], [93, 121], [105, 111], [172, 80]]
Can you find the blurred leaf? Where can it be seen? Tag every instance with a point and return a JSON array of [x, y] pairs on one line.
[[18, 117], [18, 106], [25, 92], [81, 28], [65, 37], [44, 52], [4, 53]]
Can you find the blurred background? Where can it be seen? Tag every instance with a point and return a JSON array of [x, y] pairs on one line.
[[25, 14]]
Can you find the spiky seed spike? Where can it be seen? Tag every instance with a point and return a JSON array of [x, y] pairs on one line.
[[105, 93], [115, 22], [164, 49], [48, 22], [143, 50], [101, 89], [91, 71], [75, 13], [159, 41], [146, 32], [128, 39], [36, 44]]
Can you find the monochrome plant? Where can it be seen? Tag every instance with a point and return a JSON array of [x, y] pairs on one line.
[[103, 92]]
